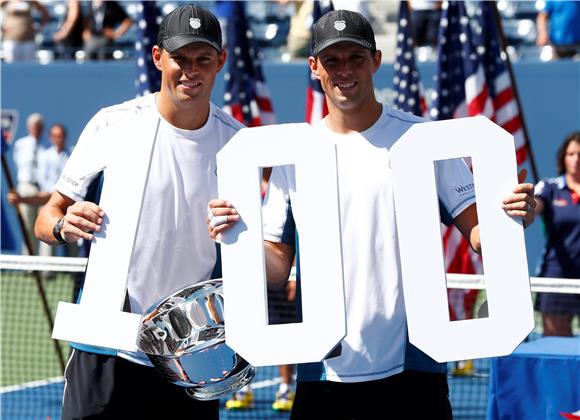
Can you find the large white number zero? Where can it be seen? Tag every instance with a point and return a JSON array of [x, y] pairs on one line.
[[316, 214], [504, 258]]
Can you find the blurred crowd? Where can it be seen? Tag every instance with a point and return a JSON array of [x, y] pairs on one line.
[[82, 30]]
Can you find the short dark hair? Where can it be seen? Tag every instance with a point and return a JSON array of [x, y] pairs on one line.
[[560, 156], [61, 126]]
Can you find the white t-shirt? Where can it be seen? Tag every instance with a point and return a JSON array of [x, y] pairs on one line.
[[376, 339], [172, 247]]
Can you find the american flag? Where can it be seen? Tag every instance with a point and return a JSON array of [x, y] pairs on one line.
[[247, 97], [316, 107], [406, 79], [460, 91], [148, 76], [501, 86]]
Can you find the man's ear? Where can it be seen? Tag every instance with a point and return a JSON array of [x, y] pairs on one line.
[[156, 55], [222, 56], [377, 58], [313, 64]]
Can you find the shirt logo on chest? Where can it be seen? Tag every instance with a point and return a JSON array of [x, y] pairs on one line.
[[559, 202]]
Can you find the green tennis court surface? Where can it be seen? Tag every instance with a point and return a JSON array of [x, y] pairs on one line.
[[27, 351]]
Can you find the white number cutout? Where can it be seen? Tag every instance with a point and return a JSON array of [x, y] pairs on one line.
[[316, 214], [98, 319], [507, 283]]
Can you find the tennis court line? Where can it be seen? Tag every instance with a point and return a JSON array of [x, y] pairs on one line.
[[265, 383], [33, 384]]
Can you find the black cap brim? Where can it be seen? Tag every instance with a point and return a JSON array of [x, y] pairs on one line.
[[335, 40], [174, 43]]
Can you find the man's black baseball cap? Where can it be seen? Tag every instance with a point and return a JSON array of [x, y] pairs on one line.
[[188, 24], [340, 26]]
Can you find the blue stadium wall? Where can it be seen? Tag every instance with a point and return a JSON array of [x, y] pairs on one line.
[[69, 93]]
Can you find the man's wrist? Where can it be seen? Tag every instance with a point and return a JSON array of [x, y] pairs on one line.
[[57, 231]]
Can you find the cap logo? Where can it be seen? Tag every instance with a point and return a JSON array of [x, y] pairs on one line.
[[340, 25], [195, 23]]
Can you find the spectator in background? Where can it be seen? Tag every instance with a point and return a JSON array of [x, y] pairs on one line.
[[69, 37], [19, 29], [54, 158], [425, 16], [107, 21], [298, 41], [558, 200], [26, 155], [51, 162], [559, 25]]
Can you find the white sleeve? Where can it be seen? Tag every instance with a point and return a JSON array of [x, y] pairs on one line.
[[86, 160], [455, 185], [277, 219]]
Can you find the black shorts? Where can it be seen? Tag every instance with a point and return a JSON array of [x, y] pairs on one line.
[[108, 387], [407, 395]]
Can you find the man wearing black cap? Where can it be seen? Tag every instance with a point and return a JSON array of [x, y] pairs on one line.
[[378, 374], [171, 248]]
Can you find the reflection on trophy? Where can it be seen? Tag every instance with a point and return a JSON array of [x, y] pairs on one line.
[[183, 335]]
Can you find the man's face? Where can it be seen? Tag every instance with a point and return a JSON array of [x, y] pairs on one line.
[[188, 74], [35, 129], [345, 71], [57, 137]]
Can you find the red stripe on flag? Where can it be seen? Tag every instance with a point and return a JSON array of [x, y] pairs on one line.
[[237, 112], [477, 105], [512, 125], [503, 97], [264, 104], [522, 154], [461, 262], [309, 103]]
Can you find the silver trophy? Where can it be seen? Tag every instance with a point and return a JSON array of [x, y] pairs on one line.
[[183, 336]]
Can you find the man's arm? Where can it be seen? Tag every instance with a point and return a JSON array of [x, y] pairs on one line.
[[37, 199], [279, 259], [519, 204], [279, 256], [543, 37], [467, 224], [80, 219]]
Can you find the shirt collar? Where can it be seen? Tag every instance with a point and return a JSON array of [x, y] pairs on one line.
[[562, 182]]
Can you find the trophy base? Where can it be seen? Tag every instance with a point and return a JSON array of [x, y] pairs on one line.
[[214, 391]]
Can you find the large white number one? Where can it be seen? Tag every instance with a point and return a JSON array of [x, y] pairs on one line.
[[504, 257], [98, 318], [316, 213]]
